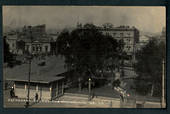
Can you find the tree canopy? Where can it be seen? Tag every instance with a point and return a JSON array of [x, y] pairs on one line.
[[20, 44], [149, 67], [87, 50]]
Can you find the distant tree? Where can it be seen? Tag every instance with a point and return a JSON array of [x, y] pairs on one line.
[[87, 51], [8, 56], [20, 45], [6, 50], [116, 83], [149, 68], [107, 25]]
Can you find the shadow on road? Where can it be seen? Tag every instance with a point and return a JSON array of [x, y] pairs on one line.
[[32, 103]]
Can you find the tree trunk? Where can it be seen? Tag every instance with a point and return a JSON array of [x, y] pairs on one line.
[[113, 76], [152, 89], [80, 85], [112, 79], [102, 73]]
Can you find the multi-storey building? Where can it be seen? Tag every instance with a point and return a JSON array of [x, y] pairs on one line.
[[163, 35], [38, 46], [36, 39], [143, 40], [129, 35], [37, 31]]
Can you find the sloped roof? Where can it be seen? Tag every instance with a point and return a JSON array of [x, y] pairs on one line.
[[40, 74], [27, 39]]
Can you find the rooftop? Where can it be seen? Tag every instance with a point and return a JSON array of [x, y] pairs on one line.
[[41, 74], [39, 39]]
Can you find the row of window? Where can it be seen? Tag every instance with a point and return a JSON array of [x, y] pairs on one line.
[[37, 48], [32, 87], [38, 88], [119, 34]]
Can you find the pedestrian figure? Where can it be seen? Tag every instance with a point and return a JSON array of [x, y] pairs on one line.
[[11, 94], [110, 103], [36, 97], [122, 98], [93, 95]]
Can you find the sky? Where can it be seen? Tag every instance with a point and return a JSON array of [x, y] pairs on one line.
[[147, 19]]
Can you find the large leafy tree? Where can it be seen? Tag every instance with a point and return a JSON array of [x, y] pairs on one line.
[[149, 68], [87, 50]]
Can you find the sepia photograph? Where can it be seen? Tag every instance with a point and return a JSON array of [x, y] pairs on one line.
[[84, 56]]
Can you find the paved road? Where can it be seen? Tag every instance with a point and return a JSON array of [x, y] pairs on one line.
[[68, 101], [78, 101]]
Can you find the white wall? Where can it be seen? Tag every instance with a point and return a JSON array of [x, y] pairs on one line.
[[22, 93]]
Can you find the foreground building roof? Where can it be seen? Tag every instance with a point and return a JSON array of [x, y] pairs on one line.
[[39, 74]]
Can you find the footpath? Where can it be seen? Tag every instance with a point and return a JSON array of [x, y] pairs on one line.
[[70, 100]]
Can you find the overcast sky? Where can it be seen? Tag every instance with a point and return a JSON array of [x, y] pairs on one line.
[[148, 19]]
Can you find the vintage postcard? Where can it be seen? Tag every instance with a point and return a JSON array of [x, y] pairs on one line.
[[84, 56]]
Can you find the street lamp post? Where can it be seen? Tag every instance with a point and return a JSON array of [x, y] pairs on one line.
[[89, 89]]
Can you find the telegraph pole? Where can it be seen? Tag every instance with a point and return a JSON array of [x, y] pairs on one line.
[[122, 57], [163, 84], [29, 72]]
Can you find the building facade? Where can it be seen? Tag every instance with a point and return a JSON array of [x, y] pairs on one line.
[[163, 35], [143, 40], [129, 35], [33, 39], [46, 90], [37, 41], [36, 31], [38, 47], [11, 39]]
